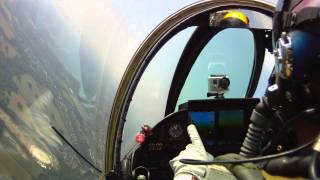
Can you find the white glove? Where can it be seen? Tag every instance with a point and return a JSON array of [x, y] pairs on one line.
[[195, 151]]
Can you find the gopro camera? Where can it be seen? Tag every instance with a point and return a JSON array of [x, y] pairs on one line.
[[218, 85]]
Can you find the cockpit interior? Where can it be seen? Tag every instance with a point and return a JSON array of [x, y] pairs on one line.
[[88, 90], [220, 74]]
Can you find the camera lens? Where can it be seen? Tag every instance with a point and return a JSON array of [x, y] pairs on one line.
[[225, 83]]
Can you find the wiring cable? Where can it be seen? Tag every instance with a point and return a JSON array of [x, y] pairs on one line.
[[255, 159], [256, 133], [285, 124]]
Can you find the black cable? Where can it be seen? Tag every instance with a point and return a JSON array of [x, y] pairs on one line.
[[285, 124], [313, 168], [75, 150], [256, 159], [260, 123]]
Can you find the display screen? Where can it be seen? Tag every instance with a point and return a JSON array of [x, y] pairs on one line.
[[231, 119], [219, 119], [222, 123], [203, 120], [220, 130]]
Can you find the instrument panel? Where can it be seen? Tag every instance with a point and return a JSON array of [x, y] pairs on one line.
[[166, 140], [170, 137], [222, 131]]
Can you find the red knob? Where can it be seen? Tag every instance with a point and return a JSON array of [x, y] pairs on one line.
[[140, 138]]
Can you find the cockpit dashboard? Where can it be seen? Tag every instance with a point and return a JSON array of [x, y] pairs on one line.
[[221, 123]]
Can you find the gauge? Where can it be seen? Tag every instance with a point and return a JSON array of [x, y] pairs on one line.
[[175, 130]]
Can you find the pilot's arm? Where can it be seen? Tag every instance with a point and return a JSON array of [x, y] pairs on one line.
[[196, 151]]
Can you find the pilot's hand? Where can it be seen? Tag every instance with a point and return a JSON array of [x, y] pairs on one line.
[[195, 151]]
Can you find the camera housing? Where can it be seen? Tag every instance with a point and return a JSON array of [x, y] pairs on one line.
[[218, 85]]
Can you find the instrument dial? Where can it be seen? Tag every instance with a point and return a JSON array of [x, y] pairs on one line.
[[175, 130]]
